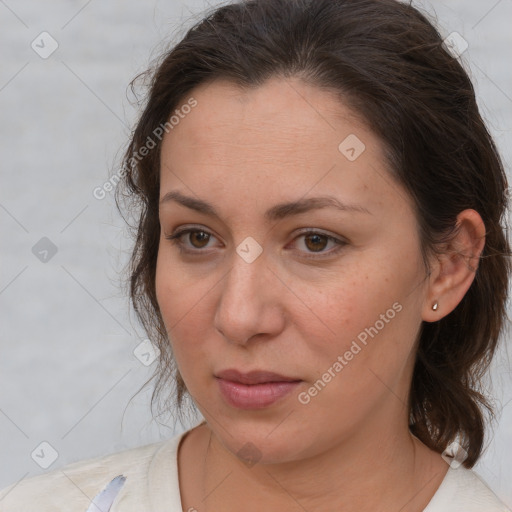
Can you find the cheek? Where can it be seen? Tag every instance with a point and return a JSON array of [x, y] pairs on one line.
[[182, 298], [179, 290], [365, 316], [353, 370]]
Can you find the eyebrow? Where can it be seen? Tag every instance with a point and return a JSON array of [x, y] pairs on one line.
[[277, 212]]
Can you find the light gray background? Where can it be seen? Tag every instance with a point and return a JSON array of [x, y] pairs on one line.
[[67, 368]]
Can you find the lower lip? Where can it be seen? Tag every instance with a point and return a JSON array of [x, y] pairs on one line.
[[256, 396]]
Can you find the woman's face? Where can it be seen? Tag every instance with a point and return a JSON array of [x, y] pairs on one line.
[[259, 286]]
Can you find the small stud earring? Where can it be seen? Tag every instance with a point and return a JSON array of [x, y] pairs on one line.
[[434, 307]]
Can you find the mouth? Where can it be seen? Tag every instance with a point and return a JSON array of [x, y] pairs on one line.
[[254, 377], [256, 389]]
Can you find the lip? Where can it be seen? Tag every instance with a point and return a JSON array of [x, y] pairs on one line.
[[253, 377], [256, 389]]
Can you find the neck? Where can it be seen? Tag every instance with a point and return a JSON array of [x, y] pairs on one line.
[[373, 469]]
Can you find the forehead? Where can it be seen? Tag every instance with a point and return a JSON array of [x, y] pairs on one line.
[[283, 113], [284, 134]]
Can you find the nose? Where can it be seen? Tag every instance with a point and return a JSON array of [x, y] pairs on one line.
[[251, 302]]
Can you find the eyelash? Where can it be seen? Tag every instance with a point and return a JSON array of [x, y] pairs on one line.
[[176, 236]]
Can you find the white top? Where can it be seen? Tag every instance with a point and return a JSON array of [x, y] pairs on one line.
[[151, 485]]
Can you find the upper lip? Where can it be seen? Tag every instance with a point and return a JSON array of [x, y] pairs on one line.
[[253, 377]]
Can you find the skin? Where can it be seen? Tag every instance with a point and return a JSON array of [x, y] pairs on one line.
[[350, 447]]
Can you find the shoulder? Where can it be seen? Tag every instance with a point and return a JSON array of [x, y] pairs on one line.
[[463, 490], [74, 486]]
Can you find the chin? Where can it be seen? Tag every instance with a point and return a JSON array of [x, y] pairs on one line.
[[263, 442]]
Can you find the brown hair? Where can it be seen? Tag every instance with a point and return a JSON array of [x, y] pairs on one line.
[[389, 64]]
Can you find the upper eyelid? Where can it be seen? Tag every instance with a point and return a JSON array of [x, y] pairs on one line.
[[339, 240], [303, 231]]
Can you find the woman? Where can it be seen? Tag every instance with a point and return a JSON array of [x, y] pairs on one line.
[[321, 262]]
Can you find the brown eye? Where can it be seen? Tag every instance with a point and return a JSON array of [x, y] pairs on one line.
[[315, 245], [192, 241], [316, 242], [197, 239], [201, 237]]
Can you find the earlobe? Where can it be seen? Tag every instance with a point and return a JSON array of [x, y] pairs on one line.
[[456, 268]]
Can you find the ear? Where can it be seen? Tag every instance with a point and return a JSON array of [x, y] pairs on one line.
[[454, 269]]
